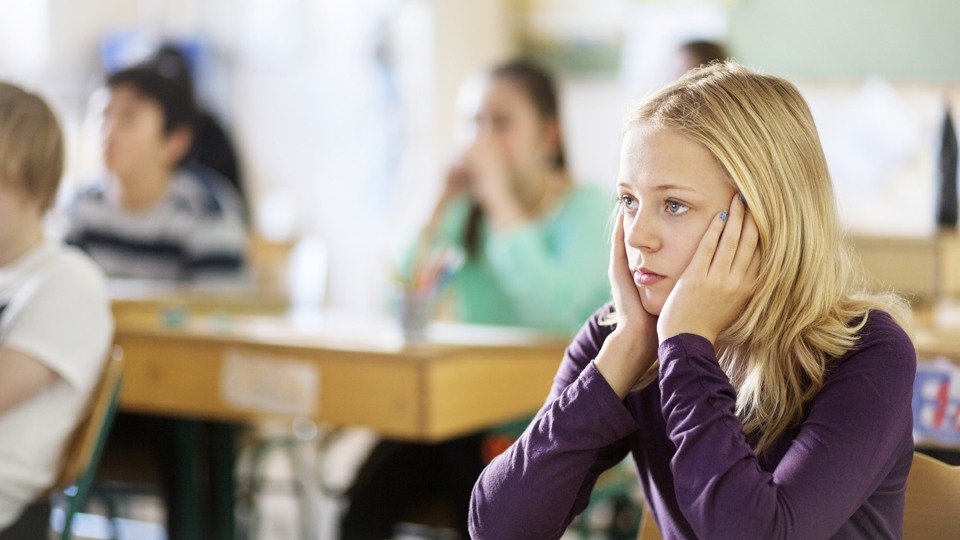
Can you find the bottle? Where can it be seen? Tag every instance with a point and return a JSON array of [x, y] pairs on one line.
[[947, 173]]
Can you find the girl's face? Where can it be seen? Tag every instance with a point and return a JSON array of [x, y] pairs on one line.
[[670, 188], [507, 117]]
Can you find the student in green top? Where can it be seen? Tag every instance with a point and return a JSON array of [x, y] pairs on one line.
[[534, 240], [535, 254]]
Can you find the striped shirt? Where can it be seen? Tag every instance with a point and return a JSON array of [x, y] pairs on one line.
[[196, 232]]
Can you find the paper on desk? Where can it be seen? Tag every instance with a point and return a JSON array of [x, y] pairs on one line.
[[270, 384]]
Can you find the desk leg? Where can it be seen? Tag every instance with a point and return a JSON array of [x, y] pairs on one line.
[[224, 458], [187, 501]]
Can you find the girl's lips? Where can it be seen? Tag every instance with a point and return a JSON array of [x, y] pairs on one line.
[[641, 277]]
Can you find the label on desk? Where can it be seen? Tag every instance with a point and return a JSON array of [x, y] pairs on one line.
[[269, 383]]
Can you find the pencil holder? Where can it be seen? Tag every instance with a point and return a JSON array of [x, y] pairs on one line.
[[415, 311]]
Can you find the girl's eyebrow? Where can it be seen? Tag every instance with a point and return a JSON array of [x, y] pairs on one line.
[[666, 187], [661, 187]]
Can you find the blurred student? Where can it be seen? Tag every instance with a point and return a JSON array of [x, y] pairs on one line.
[[156, 216], [696, 53], [152, 216], [535, 255], [55, 322], [211, 146], [533, 238]]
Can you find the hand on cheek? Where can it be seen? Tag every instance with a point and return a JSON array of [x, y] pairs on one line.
[[719, 280], [632, 348], [631, 315]]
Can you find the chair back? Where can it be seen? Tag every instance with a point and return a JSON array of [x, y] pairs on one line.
[[932, 503], [933, 500], [86, 446], [82, 452]]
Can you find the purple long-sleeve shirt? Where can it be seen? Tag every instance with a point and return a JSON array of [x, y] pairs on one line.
[[840, 474]]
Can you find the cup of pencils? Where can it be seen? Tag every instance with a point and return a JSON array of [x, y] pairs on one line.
[[420, 292]]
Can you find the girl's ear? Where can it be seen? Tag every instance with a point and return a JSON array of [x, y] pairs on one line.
[[178, 143]]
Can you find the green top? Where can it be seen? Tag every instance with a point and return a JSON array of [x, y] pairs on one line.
[[549, 274]]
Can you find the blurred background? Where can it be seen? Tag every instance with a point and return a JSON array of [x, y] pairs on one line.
[[344, 113]]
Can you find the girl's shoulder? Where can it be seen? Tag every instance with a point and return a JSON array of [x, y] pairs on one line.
[[883, 344], [881, 327]]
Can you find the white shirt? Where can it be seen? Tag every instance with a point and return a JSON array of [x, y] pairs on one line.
[[55, 308]]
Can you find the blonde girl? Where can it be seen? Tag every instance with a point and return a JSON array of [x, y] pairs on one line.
[[760, 392]]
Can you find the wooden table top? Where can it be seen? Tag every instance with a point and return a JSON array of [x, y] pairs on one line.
[[196, 358]]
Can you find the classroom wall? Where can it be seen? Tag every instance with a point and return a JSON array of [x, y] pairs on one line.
[[343, 112], [352, 152], [904, 40]]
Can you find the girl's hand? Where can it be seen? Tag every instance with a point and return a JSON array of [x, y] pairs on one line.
[[492, 185], [457, 181], [632, 348], [719, 280]]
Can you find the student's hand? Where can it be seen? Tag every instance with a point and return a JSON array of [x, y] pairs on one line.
[[719, 280], [492, 185], [456, 182], [632, 348]]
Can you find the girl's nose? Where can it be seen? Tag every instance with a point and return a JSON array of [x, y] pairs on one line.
[[641, 231]]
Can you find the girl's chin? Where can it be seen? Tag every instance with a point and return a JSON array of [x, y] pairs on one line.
[[651, 305], [651, 302]]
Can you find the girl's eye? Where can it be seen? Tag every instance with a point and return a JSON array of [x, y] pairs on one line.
[[629, 203], [676, 208]]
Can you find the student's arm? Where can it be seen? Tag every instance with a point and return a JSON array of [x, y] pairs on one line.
[[59, 327], [21, 378], [537, 487], [552, 281], [856, 428]]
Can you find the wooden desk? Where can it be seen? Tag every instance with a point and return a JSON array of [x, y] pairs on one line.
[[921, 268], [242, 360], [937, 331], [933, 342], [333, 368]]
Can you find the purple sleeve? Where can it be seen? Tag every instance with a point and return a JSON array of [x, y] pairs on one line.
[[537, 487], [848, 442]]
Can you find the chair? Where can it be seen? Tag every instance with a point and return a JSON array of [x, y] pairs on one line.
[[933, 500], [84, 451], [932, 503], [648, 527]]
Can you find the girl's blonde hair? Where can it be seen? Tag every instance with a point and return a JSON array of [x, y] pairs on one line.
[[31, 145], [808, 306]]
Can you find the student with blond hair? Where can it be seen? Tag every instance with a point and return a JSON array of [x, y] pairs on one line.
[[759, 390], [55, 322]]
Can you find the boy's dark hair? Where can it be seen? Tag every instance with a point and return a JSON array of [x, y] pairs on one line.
[[169, 90]]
